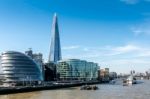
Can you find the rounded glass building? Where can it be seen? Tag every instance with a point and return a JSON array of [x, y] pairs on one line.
[[17, 67]]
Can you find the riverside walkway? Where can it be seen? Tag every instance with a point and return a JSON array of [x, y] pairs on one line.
[[19, 89]]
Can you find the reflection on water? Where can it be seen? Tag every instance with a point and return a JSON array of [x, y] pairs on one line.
[[138, 91]]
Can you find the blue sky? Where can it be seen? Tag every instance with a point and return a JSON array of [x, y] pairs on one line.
[[113, 33]]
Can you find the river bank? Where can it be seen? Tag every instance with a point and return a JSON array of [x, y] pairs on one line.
[[106, 91], [20, 89]]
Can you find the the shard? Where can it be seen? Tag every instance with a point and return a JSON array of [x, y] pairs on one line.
[[55, 49]]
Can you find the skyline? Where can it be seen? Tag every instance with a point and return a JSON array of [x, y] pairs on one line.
[[114, 34]]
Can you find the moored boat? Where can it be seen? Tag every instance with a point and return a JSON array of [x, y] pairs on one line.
[[88, 87], [129, 81]]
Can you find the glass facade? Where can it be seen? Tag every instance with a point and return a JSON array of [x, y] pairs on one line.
[[75, 69], [0, 66], [17, 66], [55, 49]]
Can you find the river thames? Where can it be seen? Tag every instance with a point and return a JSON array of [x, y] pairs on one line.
[[106, 91]]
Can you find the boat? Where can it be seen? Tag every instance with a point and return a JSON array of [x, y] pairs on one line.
[[95, 88], [88, 87], [130, 80]]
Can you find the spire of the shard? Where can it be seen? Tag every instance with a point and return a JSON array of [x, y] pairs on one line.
[[55, 48]]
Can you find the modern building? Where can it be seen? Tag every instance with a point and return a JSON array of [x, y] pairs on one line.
[[1, 75], [38, 58], [50, 72], [112, 75], [18, 68], [104, 74], [55, 48], [76, 69], [0, 64]]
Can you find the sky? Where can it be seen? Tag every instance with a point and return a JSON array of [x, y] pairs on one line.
[[113, 33]]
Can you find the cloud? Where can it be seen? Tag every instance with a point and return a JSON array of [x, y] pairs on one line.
[[85, 49], [144, 53], [130, 1], [111, 51], [147, 0], [137, 32], [126, 48], [71, 47], [142, 28], [117, 58], [133, 50], [125, 65], [134, 1]]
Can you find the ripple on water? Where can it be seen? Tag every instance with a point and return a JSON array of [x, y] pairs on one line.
[[106, 91]]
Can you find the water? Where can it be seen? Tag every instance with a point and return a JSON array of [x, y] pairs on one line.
[[106, 91]]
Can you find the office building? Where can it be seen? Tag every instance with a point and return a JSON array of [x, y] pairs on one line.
[[55, 48], [76, 69], [50, 71], [37, 57], [104, 74], [112, 75], [19, 68]]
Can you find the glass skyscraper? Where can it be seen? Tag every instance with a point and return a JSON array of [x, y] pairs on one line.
[[55, 49]]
